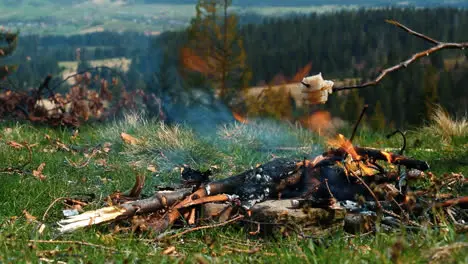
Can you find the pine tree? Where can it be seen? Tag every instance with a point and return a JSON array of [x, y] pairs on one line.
[[215, 49], [8, 43], [431, 96], [378, 118], [164, 80]]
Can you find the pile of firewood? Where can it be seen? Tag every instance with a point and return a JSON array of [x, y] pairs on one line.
[[361, 187]]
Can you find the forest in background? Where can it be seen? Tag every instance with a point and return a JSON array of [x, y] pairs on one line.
[[346, 44]]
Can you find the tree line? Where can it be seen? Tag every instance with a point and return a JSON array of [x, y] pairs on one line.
[[353, 44]]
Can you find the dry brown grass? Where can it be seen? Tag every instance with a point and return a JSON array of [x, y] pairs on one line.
[[445, 126]]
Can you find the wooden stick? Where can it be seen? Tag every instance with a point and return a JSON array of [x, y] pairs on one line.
[[73, 242], [377, 202], [50, 206], [205, 227], [439, 45], [358, 122], [452, 202]]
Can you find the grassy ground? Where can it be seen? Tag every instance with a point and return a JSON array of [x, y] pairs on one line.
[[232, 149]]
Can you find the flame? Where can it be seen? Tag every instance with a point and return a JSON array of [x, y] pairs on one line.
[[355, 163], [388, 156], [345, 144], [366, 170], [240, 118], [319, 121]]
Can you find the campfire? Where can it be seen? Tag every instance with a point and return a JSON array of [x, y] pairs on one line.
[[357, 187]]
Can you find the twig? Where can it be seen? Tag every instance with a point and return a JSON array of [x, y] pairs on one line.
[[403, 148], [256, 232], [44, 84], [73, 242], [377, 202], [452, 202], [83, 164], [358, 122], [328, 188], [390, 213], [248, 251], [122, 78], [439, 45], [50, 206], [358, 235], [205, 227]]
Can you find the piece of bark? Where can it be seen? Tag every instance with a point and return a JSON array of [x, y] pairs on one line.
[[278, 214], [212, 210]]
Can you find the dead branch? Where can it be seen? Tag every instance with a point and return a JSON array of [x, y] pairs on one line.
[[439, 45], [73, 242], [205, 227], [83, 164], [44, 85], [452, 202], [377, 202], [160, 200], [358, 122], [51, 205], [92, 69]]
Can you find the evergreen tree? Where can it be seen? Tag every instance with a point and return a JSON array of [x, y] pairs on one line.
[[164, 79], [378, 118], [8, 43], [431, 97], [83, 65], [215, 49]]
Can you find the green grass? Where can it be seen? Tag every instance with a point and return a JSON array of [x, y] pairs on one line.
[[232, 149]]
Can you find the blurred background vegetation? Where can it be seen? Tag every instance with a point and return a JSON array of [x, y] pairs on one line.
[[251, 58]]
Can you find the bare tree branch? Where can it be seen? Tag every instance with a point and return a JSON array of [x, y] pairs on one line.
[[92, 69], [439, 45]]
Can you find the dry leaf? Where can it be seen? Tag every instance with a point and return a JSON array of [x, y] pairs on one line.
[[106, 147], [38, 173], [169, 250], [129, 139], [15, 145], [29, 218], [7, 131], [101, 162], [152, 168]]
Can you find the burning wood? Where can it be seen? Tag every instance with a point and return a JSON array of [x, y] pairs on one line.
[[331, 180]]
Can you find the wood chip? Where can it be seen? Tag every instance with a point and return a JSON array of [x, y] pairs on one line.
[[128, 139], [38, 173], [15, 145], [169, 250]]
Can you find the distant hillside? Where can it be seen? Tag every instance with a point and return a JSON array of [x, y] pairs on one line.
[[245, 3], [68, 17]]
